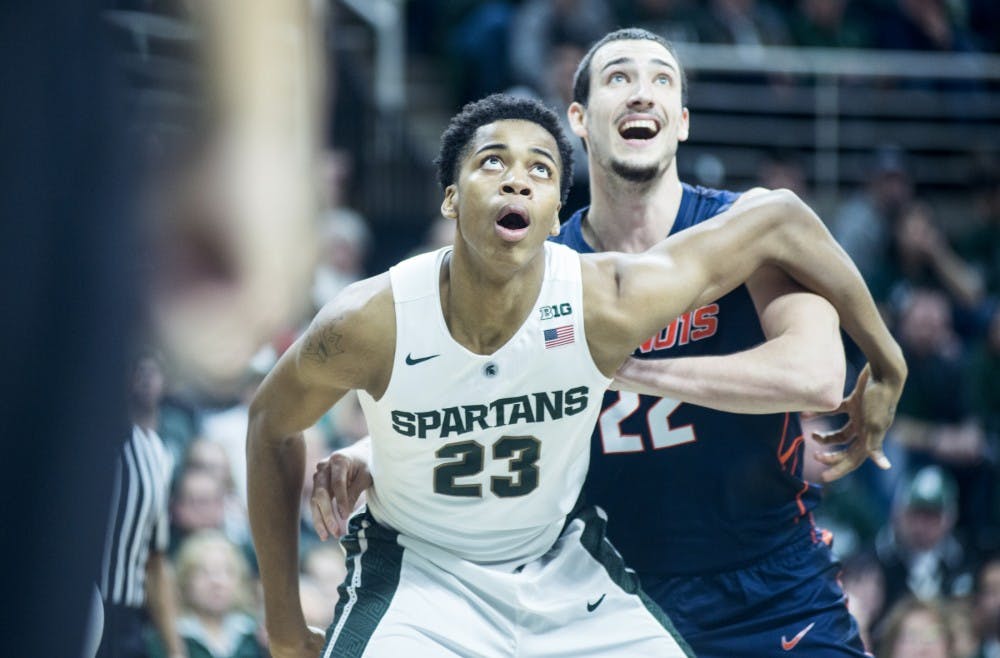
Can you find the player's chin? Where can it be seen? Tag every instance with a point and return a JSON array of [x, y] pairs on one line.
[[636, 170]]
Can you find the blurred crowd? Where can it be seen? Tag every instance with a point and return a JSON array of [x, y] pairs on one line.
[[497, 44], [920, 543]]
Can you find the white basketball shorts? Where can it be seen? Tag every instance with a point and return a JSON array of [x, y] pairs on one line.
[[404, 597]]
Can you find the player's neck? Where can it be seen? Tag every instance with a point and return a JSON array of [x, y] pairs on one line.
[[482, 310], [627, 216]]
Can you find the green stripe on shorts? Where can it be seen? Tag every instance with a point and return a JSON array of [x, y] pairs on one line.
[[374, 561], [593, 539]]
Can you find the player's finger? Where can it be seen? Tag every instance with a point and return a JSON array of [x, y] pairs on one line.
[[340, 524], [359, 482], [880, 459], [835, 437], [830, 457], [321, 520], [853, 457], [839, 469], [337, 475], [321, 503]]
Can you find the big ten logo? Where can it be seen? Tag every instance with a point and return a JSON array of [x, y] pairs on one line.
[[555, 311], [687, 328]]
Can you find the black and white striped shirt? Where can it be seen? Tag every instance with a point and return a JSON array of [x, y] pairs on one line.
[[139, 521]]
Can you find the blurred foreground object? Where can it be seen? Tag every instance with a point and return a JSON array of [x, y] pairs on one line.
[[232, 229]]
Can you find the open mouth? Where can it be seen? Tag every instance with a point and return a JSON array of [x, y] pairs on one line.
[[639, 129], [513, 220]]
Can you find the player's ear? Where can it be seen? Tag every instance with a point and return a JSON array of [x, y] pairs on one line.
[[449, 206], [684, 126], [577, 114]]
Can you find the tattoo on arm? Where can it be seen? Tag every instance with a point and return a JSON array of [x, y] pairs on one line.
[[324, 344]]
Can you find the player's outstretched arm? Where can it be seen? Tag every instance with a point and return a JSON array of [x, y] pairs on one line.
[[635, 295], [345, 347]]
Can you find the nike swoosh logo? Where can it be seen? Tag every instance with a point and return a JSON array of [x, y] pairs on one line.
[[410, 361], [788, 645], [593, 606]]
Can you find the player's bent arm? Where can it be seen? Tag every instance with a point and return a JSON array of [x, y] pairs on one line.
[[800, 366], [348, 345]]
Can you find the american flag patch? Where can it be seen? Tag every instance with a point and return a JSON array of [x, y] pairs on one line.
[[558, 336]]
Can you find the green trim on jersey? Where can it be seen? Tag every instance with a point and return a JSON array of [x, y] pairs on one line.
[[373, 555], [594, 541]]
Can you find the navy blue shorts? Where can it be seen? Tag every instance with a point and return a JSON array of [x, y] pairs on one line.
[[789, 603]]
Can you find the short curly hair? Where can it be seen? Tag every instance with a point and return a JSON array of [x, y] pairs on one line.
[[499, 107]]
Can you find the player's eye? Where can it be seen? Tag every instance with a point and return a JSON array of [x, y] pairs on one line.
[[541, 170], [617, 78], [664, 79], [492, 163]]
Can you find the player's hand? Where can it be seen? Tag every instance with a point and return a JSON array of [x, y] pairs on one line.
[[309, 646], [870, 409], [338, 482]]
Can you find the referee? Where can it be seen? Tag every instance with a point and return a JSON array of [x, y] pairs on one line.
[[136, 581]]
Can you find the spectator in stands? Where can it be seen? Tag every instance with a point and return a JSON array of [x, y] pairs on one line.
[[671, 19], [864, 586], [987, 607], [919, 255], [537, 22], [783, 168], [828, 24], [477, 46], [203, 499], [198, 503], [983, 381], [958, 612], [228, 427], [980, 245], [179, 421], [919, 553], [915, 629], [324, 568], [344, 236], [863, 223], [741, 23], [215, 595], [935, 421], [927, 25]]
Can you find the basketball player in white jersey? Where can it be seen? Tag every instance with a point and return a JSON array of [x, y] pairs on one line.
[[481, 368]]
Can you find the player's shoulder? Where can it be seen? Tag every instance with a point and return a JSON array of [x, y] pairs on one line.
[[707, 201], [360, 301], [361, 315], [350, 341]]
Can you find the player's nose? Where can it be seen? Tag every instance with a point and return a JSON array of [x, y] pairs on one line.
[[642, 95], [516, 182]]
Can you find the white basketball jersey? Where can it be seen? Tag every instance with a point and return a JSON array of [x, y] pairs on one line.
[[484, 455]]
